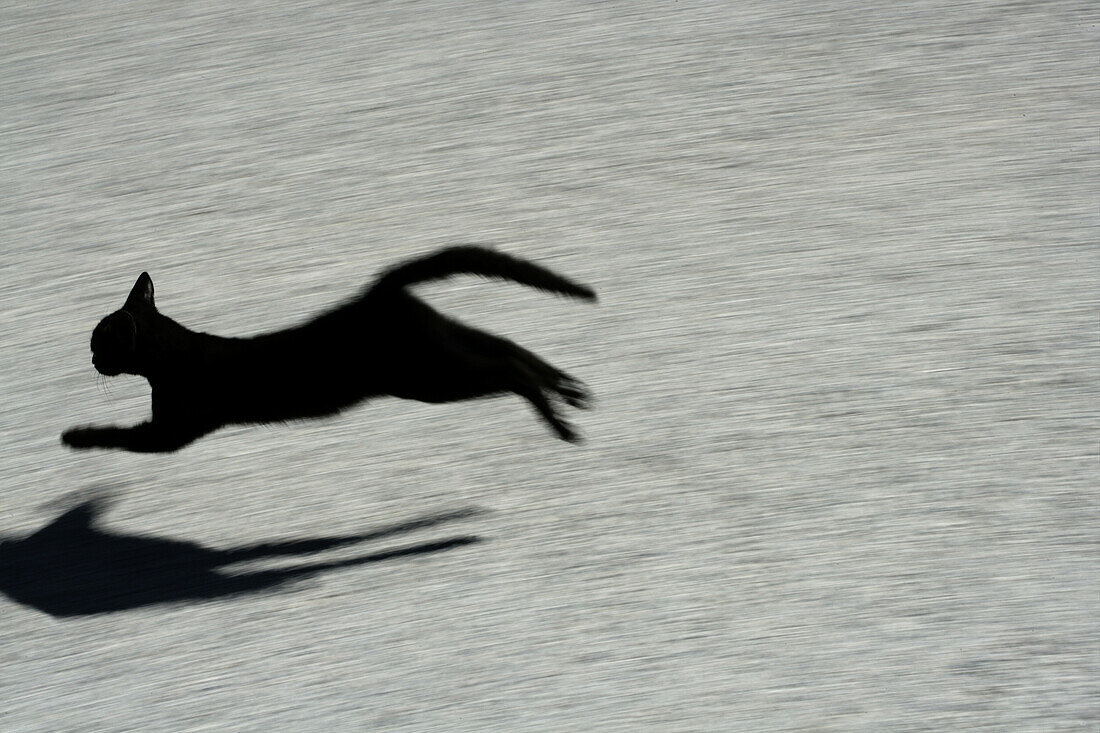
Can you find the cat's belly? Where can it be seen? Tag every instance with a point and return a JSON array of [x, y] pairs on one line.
[[274, 394]]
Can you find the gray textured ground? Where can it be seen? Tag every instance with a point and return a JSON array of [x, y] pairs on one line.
[[842, 472]]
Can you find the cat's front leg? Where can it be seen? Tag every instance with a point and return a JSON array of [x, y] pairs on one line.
[[146, 437], [83, 437]]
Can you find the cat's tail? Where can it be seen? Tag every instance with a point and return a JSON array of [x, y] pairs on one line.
[[471, 260]]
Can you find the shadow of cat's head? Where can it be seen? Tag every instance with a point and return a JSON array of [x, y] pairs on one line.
[[115, 341]]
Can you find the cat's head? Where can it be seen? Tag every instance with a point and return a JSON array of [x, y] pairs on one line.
[[116, 340]]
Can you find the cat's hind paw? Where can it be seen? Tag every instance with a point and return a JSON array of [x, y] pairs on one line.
[[574, 392], [567, 432]]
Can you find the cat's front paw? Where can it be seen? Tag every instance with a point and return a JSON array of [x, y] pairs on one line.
[[79, 438]]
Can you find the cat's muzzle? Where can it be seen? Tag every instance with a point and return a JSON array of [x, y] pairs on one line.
[[106, 369]]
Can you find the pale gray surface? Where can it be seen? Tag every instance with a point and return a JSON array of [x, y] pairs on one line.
[[841, 475]]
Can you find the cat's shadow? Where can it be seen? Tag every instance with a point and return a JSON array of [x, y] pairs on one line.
[[72, 567]]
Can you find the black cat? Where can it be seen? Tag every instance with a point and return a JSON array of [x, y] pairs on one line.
[[385, 342]]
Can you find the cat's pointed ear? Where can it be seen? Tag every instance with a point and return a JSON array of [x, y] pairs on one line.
[[142, 291]]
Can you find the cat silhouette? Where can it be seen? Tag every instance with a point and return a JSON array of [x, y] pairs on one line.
[[384, 342]]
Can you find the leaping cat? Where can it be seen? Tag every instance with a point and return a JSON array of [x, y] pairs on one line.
[[384, 342]]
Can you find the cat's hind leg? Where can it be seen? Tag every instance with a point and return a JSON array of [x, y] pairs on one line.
[[467, 363], [525, 382], [465, 375], [572, 390], [505, 367]]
